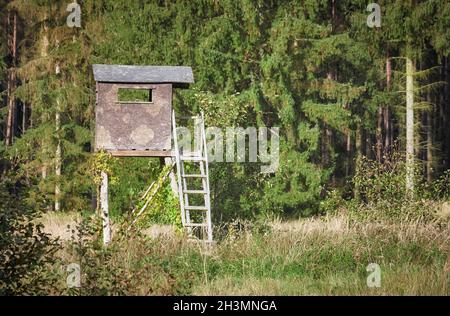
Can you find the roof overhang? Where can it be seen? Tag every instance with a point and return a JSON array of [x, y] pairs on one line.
[[180, 75]]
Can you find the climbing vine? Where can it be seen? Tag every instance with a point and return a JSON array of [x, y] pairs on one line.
[[102, 161], [161, 205]]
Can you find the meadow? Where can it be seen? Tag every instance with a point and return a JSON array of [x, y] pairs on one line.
[[325, 255]]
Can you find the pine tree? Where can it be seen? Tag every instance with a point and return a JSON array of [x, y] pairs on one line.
[[53, 73], [334, 86]]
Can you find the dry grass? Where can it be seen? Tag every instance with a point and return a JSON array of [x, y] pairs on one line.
[[412, 281], [329, 255], [60, 224], [443, 211], [335, 225], [156, 231], [63, 225], [316, 256]]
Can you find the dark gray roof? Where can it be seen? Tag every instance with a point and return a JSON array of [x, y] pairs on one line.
[[143, 74]]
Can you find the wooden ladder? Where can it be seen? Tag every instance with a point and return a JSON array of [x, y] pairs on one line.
[[195, 218]]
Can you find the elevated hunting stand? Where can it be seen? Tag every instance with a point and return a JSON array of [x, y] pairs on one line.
[[134, 118]]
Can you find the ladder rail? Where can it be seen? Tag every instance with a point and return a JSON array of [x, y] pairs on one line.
[[198, 124], [186, 200], [208, 194], [177, 160], [198, 155]]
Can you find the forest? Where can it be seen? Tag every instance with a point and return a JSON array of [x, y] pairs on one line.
[[363, 111]]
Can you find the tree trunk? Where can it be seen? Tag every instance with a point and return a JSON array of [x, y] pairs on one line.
[[440, 117], [327, 132], [409, 127], [446, 105], [359, 154], [387, 112], [12, 43], [379, 135], [326, 144], [58, 153], [388, 130], [58, 159], [429, 128], [348, 148], [368, 144], [11, 108], [24, 117], [44, 54]]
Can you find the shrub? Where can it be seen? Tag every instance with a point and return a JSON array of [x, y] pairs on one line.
[[380, 191], [26, 252]]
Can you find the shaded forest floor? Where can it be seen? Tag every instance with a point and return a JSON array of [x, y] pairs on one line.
[[318, 256]]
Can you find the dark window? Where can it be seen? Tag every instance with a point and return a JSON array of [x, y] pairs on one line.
[[133, 95]]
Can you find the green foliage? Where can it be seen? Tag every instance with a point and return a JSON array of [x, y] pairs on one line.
[[270, 64], [26, 252], [381, 191], [333, 203], [314, 70], [138, 95], [165, 209], [159, 204], [102, 162], [329, 257], [381, 182], [438, 189], [104, 272], [134, 175]]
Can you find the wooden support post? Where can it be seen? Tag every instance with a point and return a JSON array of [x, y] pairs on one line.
[[105, 209], [173, 181], [409, 127]]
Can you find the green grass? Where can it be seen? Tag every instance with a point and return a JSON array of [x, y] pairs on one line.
[[309, 257]]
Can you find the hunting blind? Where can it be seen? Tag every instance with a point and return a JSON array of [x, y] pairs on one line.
[[134, 117]]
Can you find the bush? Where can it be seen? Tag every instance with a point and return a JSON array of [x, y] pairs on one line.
[[26, 252], [122, 266], [380, 191]]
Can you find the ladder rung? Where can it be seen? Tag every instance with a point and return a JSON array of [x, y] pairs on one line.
[[186, 117], [192, 158], [196, 225], [199, 155], [191, 154], [194, 191], [196, 208], [193, 176]]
